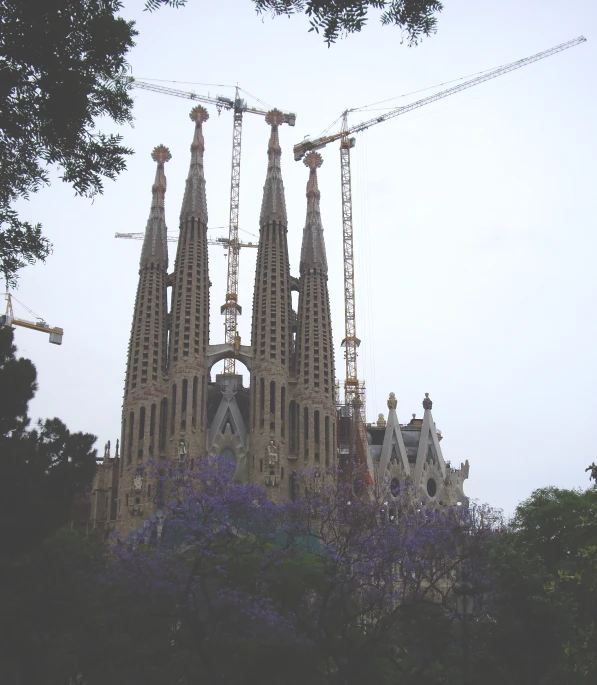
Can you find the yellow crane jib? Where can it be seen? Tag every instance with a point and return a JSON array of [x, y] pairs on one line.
[[9, 320]]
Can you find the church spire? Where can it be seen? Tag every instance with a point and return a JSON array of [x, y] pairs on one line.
[[313, 249], [273, 206], [314, 347], [155, 247], [194, 203], [189, 327]]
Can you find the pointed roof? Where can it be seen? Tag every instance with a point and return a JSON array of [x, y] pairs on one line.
[[155, 246], [273, 205], [428, 442], [313, 249], [393, 443], [194, 203]]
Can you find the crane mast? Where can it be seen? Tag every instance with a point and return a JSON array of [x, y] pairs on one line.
[[350, 342], [352, 389], [231, 309]]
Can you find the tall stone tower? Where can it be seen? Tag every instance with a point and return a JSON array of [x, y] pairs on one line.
[[315, 442], [271, 335], [146, 381], [189, 332]]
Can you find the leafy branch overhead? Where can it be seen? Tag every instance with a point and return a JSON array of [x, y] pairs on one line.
[[337, 18], [62, 66]]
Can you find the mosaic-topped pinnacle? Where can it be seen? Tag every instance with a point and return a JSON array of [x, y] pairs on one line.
[[161, 154], [199, 114], [427, 403], [313, 160], [273, 117]]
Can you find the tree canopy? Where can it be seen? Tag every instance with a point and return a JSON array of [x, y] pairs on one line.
[[334, 19], [62, 67], [44, 467]]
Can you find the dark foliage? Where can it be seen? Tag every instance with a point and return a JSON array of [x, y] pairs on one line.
[[62, 67], [43, 468], [337, 18]]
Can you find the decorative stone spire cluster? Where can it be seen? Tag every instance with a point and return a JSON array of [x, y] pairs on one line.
[[194, 203], [313, 250], [155, 246], [273, 206]]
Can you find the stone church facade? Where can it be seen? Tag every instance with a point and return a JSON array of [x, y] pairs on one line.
[[288, 417]]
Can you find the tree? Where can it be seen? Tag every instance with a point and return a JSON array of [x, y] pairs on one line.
[[326, 584], [337, 18], [541, 627], [62, 66], [44, 468]]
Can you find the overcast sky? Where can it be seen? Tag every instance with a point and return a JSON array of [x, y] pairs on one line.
[[474, 223]]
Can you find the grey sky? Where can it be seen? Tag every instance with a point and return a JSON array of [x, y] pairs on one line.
[[474, 224]]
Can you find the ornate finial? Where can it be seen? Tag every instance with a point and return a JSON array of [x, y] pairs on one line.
[[392, 401], [414, 416], [381, 420], [273, 117], [161, 154], [199, 114], [427, 403], [313, 160], [116, 455]]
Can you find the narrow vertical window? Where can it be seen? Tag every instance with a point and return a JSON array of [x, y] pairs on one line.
[[183, 404], [202, 400], [306, 430], [129, 449], [292, 426], [152, 428], [123, 443], [272, 406], [316, 426], [261, 403], [163, 424], [173, 410], [327, 440], [141, 433], [195, 393], [283, 411]]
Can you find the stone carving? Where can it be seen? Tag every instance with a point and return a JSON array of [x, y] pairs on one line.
[[392, 401], [138, 481], [116, 454], [427, 403], [182, 449], [107, 450], [272, 453], [381, 420]]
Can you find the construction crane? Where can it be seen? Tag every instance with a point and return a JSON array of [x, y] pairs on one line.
[[222, 242], [9, 319], [231, 308], [352, 392]]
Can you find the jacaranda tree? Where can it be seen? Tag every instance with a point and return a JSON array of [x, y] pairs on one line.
[[328, 588]]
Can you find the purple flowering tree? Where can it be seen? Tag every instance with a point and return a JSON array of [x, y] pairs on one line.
[[328, 588]]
